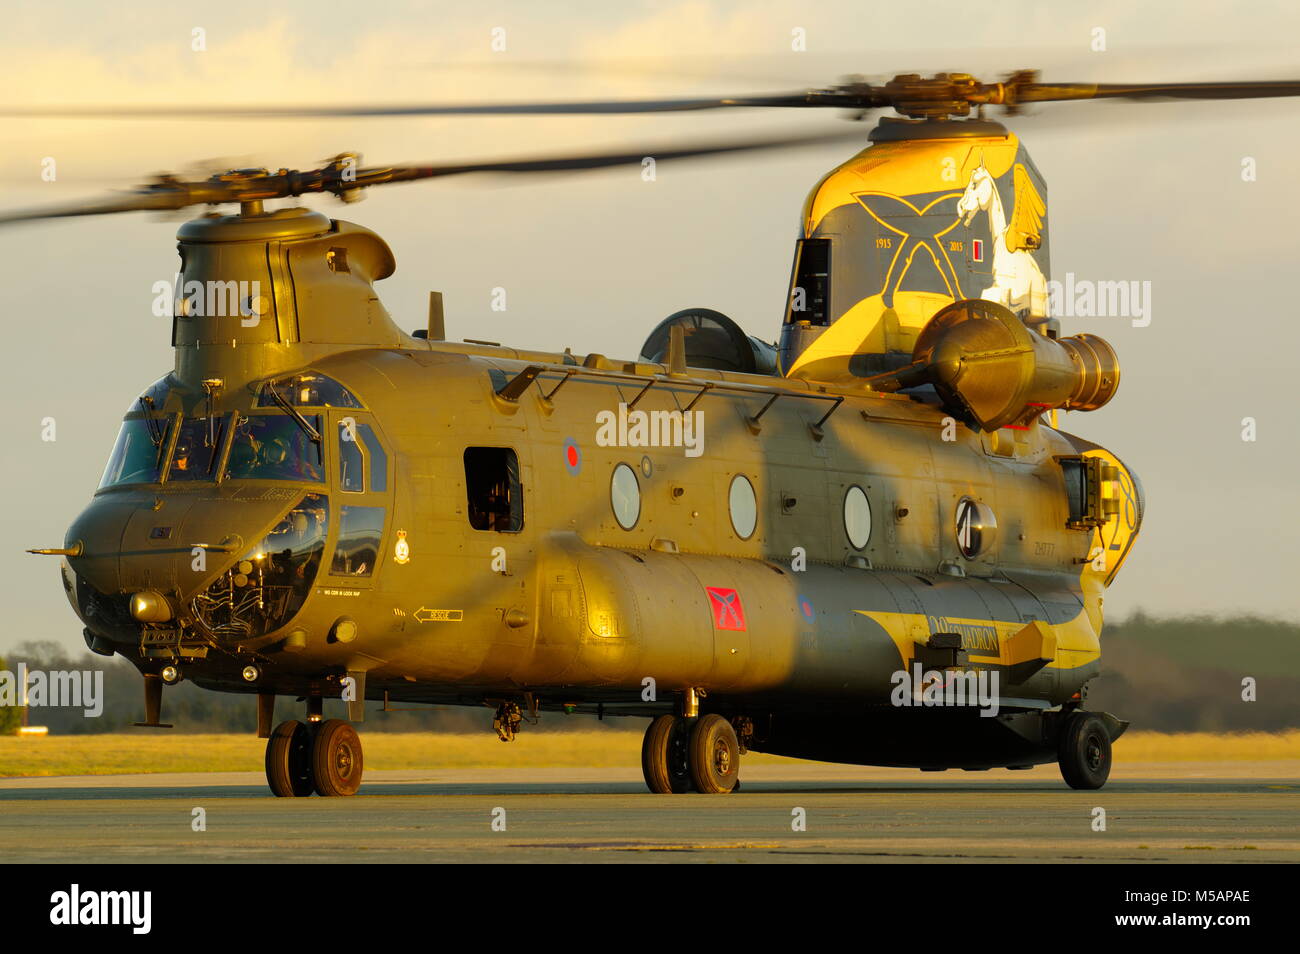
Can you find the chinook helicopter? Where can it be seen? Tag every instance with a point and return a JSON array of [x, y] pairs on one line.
[[867, 543]]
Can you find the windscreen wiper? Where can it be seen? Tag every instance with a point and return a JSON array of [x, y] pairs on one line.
[[293, 412], [156, 432]]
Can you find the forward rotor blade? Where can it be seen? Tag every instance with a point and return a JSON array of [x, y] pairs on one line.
[[609, 107], [160, 201], [250, 185]]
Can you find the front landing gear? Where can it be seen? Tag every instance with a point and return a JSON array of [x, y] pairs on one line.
[[324, 757], [665, 759], [336, 758], [288, 760], [682, 755], [715, 755], [1084, 751]]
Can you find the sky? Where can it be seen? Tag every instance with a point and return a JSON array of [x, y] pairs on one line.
[[1137, 193]]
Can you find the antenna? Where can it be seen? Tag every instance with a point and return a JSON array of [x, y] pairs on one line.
[[437, 326], [676, 350]]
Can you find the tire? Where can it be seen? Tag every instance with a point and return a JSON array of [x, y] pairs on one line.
[[336, 758], [715, 755], [1084, 751], [665, 755], [289, 761]]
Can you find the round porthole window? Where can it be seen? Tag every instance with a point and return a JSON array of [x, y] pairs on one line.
[[976, 527], [857, 517], [744, 507], [625, 496]]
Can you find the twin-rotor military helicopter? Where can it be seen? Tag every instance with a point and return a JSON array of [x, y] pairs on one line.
[[886, 553]]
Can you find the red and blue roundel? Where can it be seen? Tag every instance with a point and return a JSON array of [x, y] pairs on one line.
[[572, 456], [806, 609]]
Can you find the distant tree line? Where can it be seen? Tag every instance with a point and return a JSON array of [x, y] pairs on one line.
[[1172, 674], [11, 717], [1189, 674]]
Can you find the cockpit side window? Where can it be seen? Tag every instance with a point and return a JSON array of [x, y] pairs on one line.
[[358, 446], [378, 459], [351, 463]]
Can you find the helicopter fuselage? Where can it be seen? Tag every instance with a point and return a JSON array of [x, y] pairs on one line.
[[457, 542]]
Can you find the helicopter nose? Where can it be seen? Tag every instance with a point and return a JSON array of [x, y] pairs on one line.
[[130, 542], [143, 554], [97, 533]]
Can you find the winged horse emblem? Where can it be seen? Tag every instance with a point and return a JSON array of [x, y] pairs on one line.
[[1018, 282]]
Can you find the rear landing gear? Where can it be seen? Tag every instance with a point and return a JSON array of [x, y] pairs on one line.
[[323, 757], [682, 755], [1084, 751]]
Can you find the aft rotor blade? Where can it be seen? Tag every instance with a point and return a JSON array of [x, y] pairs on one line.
[[1057, 92], [909, 94]]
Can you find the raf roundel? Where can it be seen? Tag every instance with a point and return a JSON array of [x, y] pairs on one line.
[[806, 609], [572, 456]]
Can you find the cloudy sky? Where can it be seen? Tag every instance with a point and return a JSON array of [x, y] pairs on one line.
[[1146, 193]]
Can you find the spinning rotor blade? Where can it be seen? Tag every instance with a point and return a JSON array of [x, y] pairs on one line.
[[138, 201], [604, 160], [953, 94], [343, 179], [945, 94], [610, 107], [1053, 92]]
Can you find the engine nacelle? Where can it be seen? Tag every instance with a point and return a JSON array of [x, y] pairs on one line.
[[991, 370]]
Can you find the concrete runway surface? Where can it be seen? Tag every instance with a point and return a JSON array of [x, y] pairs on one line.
[[1155, 812]]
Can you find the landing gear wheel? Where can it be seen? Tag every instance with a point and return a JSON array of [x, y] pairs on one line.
[[288, 761], [1084, 751], [714, 755], [665, 755], [336, 758]]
